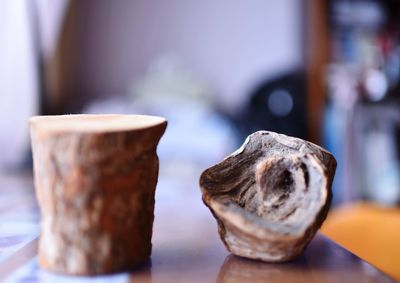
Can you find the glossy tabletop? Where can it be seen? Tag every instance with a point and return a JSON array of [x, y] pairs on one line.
[[186, 245]]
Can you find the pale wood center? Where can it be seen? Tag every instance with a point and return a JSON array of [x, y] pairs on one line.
[[95, 123]]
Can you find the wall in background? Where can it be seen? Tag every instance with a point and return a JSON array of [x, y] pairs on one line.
[[18, 80], [231, 44]]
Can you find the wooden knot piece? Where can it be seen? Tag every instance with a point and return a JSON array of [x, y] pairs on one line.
[[270, 196]]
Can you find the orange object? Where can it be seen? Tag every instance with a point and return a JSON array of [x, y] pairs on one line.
[[370, 231]]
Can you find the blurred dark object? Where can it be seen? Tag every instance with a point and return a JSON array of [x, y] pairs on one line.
[[362, 113], [277, 105], [364, 35], [377, 151]]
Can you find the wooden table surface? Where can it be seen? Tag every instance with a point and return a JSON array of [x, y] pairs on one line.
[[186, 246]]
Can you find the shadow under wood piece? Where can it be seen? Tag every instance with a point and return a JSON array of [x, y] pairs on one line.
[[270, 196]]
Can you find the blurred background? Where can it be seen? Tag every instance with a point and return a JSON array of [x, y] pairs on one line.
[[326, 71]]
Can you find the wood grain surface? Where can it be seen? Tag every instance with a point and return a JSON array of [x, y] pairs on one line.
[[186, 247]]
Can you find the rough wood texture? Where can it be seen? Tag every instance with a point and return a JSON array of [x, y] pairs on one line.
[[270, 196], [95, 179]]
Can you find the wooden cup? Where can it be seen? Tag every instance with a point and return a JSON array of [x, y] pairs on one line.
[[95, 180]]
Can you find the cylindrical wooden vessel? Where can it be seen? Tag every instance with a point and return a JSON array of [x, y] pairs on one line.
[[95, 180]]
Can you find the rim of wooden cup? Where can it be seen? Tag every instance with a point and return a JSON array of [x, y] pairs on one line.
[[95, 123]]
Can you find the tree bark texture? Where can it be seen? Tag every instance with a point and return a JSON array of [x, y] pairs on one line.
[[270, 196], [96, 194]]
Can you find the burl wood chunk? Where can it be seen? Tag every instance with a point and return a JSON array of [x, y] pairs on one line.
[[95, 179], [270, 196]]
